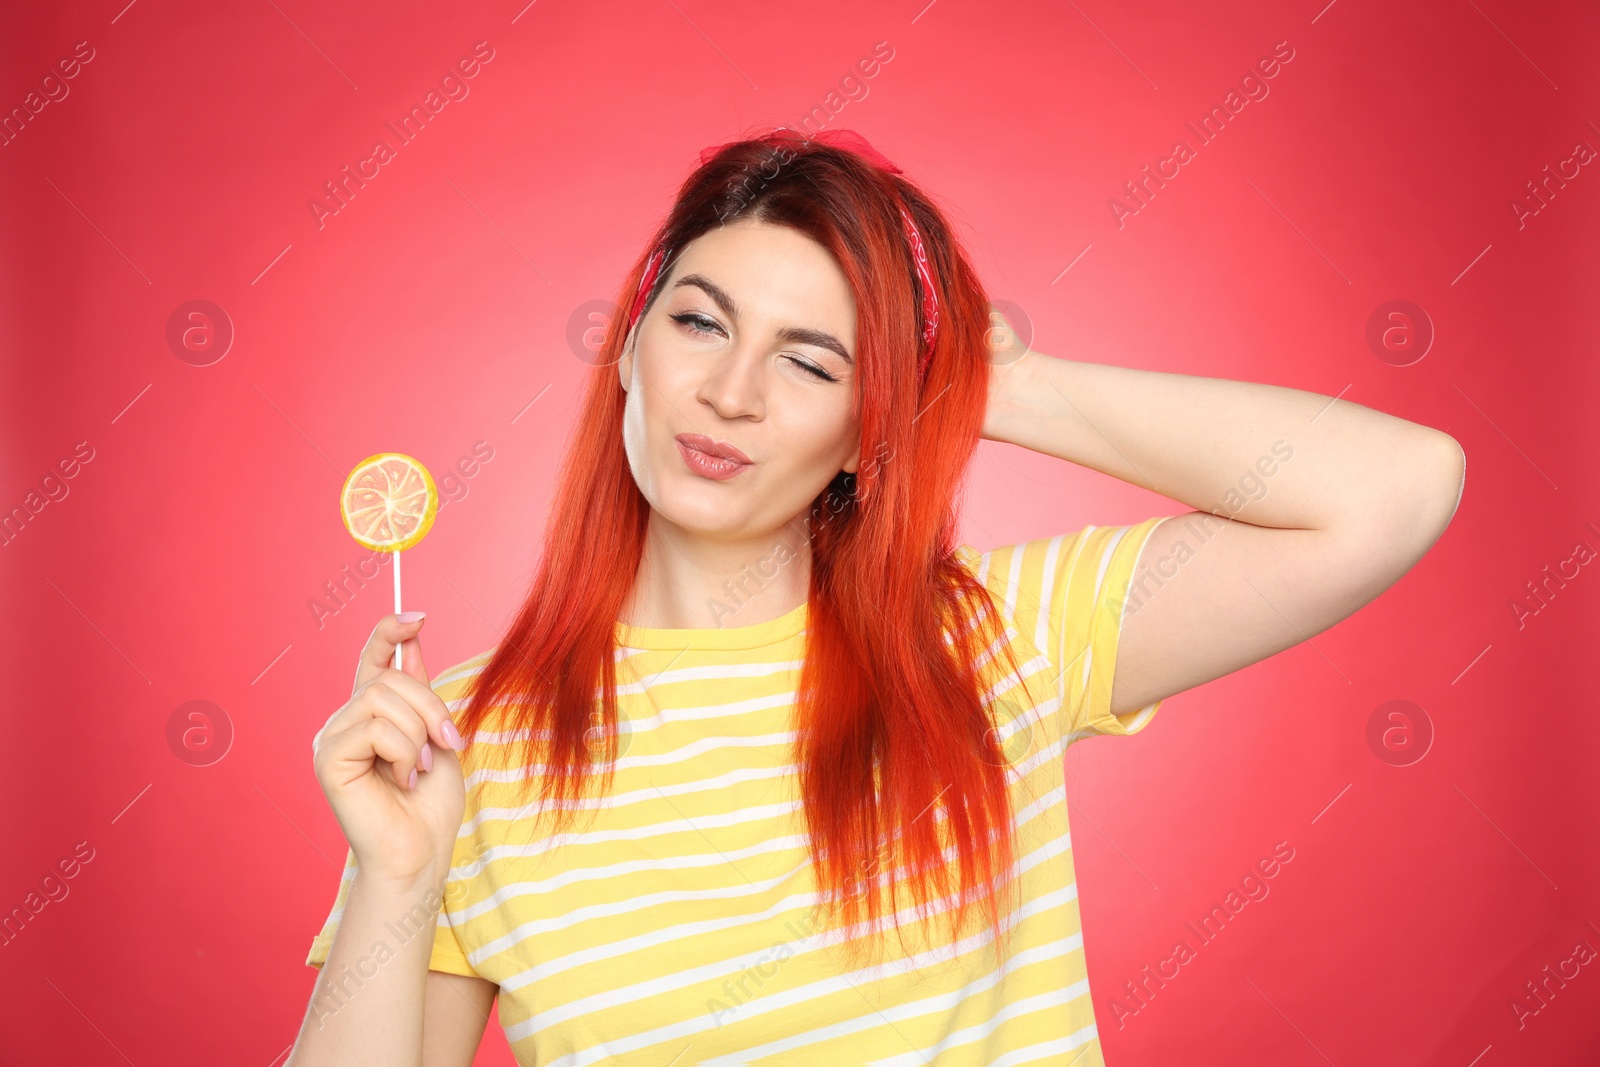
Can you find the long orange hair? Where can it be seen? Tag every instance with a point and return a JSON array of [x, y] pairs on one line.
[[899, 754]]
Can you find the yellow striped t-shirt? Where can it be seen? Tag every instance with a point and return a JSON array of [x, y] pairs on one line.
[[673, 925]]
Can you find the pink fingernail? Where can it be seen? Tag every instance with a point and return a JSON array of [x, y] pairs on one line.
[[412, 784], [452, 736], [408, 617], [427, 756]]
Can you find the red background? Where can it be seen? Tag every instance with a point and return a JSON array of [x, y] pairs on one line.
[[437, 304]]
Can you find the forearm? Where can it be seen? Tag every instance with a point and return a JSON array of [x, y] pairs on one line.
[[367, 1006], [1265, 454]]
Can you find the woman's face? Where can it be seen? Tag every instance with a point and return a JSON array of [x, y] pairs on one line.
[[750, 344]]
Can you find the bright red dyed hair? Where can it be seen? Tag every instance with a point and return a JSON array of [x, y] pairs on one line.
[[898, 752]]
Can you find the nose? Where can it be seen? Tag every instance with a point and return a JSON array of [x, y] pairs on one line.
[[735, 383]]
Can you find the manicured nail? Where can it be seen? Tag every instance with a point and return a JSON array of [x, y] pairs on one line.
[[427, 756], [452, 736], [412, 784], [408, 617]]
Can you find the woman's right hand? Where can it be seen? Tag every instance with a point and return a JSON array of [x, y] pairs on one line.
[[387, 763]]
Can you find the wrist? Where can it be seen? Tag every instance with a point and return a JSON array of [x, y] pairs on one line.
[[425, 886], [1013, 392]]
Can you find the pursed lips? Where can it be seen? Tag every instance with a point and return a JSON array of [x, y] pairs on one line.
[[713, 448]]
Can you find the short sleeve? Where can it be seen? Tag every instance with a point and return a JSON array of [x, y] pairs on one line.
[[448, 954], [1067, 594]]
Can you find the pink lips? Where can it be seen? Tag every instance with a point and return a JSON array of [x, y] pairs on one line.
[[712, 459], [701, 443]]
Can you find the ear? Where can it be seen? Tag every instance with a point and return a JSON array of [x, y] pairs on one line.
[[854, 462], [625, 363]]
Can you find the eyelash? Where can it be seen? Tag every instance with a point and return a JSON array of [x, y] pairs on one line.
[[689, 318]]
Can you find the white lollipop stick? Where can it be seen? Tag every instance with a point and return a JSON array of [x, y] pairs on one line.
[[397, 604]]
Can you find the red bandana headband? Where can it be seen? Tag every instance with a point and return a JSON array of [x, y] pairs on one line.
[[850, 141]]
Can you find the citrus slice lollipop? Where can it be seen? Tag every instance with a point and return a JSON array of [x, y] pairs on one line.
[[388, 502]]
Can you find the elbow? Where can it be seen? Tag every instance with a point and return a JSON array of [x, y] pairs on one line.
[[1400, 522], [1444, 483], [1455, 477], [1429, 482]]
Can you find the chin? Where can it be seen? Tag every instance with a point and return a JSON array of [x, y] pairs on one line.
[[702, 506], [702, 521]]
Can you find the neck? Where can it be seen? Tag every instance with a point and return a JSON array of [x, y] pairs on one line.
[[687, 580]]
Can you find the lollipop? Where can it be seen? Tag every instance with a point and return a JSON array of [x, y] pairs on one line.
[[388, 503]]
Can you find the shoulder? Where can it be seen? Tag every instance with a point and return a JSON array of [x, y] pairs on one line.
[[1055, 590], [495, 736], [1031, 569], [456, 682], [1022, 576]]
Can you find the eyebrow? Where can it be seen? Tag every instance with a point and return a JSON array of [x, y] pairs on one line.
[[800, 335]]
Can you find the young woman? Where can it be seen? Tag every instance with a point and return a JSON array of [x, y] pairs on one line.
[[768, 769]]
